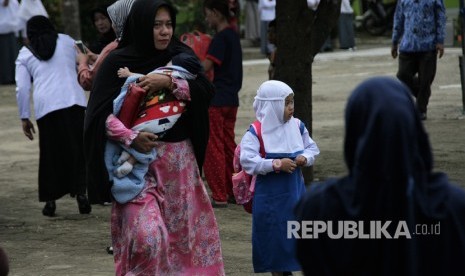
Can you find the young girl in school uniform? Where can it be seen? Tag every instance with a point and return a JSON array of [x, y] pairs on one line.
[[279, 184]]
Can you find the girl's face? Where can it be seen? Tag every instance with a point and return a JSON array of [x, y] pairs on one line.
[[288, 107], [102, 23], [162, 29], [211, 17]]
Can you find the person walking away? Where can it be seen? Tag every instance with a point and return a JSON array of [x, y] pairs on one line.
[[225, 56], [8, 42], [279, 183], [390, 189], [418, 39], [346, 26], [267, 9], [170, 227], [50, 62], [272, 37], [252, 22]]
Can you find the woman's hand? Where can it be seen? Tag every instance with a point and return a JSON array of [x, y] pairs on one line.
[[86, 59], [28, 128], [82, 58], [92, 56], [144, 142], [154, 82]]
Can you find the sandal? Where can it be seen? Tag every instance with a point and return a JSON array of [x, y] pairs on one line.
[[219, 204]]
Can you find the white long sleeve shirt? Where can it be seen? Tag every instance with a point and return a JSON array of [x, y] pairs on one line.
[[9, 17], [267, 9], [253, 164], [346, 7], [55, 80]]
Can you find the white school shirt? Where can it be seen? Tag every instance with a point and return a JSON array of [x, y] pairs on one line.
[[267, 9], [55, 80], [9, 17], [253, 164], [346, 7]]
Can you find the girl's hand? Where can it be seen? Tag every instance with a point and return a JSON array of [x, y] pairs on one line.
[[28, 128], [288, 165], [144, 142], [300, 161]]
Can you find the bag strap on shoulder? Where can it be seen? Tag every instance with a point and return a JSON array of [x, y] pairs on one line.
[[257, 126]]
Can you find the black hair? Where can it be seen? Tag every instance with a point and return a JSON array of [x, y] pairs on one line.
[[221, 6], [100, 9]]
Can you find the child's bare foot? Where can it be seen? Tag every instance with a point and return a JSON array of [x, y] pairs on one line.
[[123, 158]]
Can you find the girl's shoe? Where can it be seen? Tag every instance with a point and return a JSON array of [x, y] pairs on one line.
[[83, 204], [49, 208]]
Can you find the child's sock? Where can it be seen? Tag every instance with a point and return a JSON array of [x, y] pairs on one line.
[[123, 170], [123, 158]]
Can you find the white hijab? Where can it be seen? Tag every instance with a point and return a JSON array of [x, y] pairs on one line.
[[279, 137]]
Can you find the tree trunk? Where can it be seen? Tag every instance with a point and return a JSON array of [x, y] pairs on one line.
[[70, 18], [300, 34]]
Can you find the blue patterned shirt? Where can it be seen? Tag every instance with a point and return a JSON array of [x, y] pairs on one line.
[[419, 25]]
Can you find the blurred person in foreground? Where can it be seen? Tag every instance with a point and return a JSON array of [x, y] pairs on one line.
[[391, 191]]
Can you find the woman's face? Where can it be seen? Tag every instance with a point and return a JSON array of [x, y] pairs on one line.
[[162, 29], [102, 23]]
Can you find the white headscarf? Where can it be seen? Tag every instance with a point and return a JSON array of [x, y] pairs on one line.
[[118, 13], [279, 137]]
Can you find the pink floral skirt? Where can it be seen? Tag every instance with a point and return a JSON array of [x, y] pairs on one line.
[[170, 227]]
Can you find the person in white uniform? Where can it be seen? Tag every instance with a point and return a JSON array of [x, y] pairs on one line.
[[49, 63]]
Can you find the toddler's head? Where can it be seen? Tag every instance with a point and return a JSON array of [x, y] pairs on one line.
[[275, 101], [189, 62]]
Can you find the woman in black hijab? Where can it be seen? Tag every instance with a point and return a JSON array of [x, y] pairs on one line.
[[390, 164], [170, 227], [102, 24]]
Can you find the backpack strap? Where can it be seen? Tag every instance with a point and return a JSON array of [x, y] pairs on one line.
[[301, 126], [257, 127]]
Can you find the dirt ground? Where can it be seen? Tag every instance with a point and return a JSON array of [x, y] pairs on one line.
[[73, 244]]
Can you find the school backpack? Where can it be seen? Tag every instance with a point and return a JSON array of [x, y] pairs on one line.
[[243, 183], [199, 42]]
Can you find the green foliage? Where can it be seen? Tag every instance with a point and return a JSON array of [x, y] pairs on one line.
[[189, 16]]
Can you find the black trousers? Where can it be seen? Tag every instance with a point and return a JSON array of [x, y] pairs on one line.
[[417, 70]]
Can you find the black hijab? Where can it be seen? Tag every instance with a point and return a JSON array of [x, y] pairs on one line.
[[389, 158], [105, 38], [42, 36], [137, 51]]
